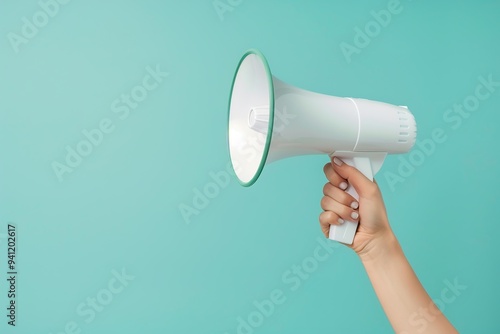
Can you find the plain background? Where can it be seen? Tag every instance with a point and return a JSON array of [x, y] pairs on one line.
[[119, 209]]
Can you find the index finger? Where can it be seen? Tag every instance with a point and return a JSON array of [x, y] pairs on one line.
[[333, 177]]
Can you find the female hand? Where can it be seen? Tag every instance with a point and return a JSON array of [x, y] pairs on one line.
[[373, 229]]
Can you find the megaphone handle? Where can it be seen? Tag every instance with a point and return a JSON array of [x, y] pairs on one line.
[[345, 233]]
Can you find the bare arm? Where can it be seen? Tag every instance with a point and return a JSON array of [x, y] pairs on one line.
[[404, 300], [402, 296]]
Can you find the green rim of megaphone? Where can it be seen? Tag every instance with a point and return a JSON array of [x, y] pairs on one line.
[[271, 115]]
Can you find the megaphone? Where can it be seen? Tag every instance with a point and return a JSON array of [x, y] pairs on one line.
[[270, 120]]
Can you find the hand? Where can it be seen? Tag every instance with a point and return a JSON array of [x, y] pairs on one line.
[[373, 231], [394, 281]]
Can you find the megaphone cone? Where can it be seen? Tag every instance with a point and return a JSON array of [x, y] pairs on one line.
[[271, 120]]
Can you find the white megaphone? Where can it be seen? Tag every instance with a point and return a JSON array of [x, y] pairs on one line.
[[270, 120]]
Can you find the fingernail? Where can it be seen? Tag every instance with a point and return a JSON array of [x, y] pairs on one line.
[[354, 215], [337, 161], [343, 185], [354, 205], [340, 221]]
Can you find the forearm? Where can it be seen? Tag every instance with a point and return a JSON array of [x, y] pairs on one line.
[[399, 291]]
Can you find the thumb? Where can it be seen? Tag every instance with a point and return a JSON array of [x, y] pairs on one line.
[[363, 186]]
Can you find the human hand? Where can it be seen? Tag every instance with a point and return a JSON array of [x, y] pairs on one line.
[[374, 231]]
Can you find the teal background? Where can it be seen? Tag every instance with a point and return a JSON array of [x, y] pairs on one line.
[[120, 207]]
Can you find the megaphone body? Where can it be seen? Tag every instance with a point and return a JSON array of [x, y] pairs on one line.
[[270, 120]]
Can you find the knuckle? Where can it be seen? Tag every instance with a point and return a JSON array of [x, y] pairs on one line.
[[328, 215], [323, 218], [324, 202], [326, 168], [327, 218], [326, 188]]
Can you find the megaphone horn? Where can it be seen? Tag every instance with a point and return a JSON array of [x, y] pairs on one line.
[[270, 120]]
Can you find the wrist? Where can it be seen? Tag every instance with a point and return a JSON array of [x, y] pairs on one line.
[[380, 248]]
